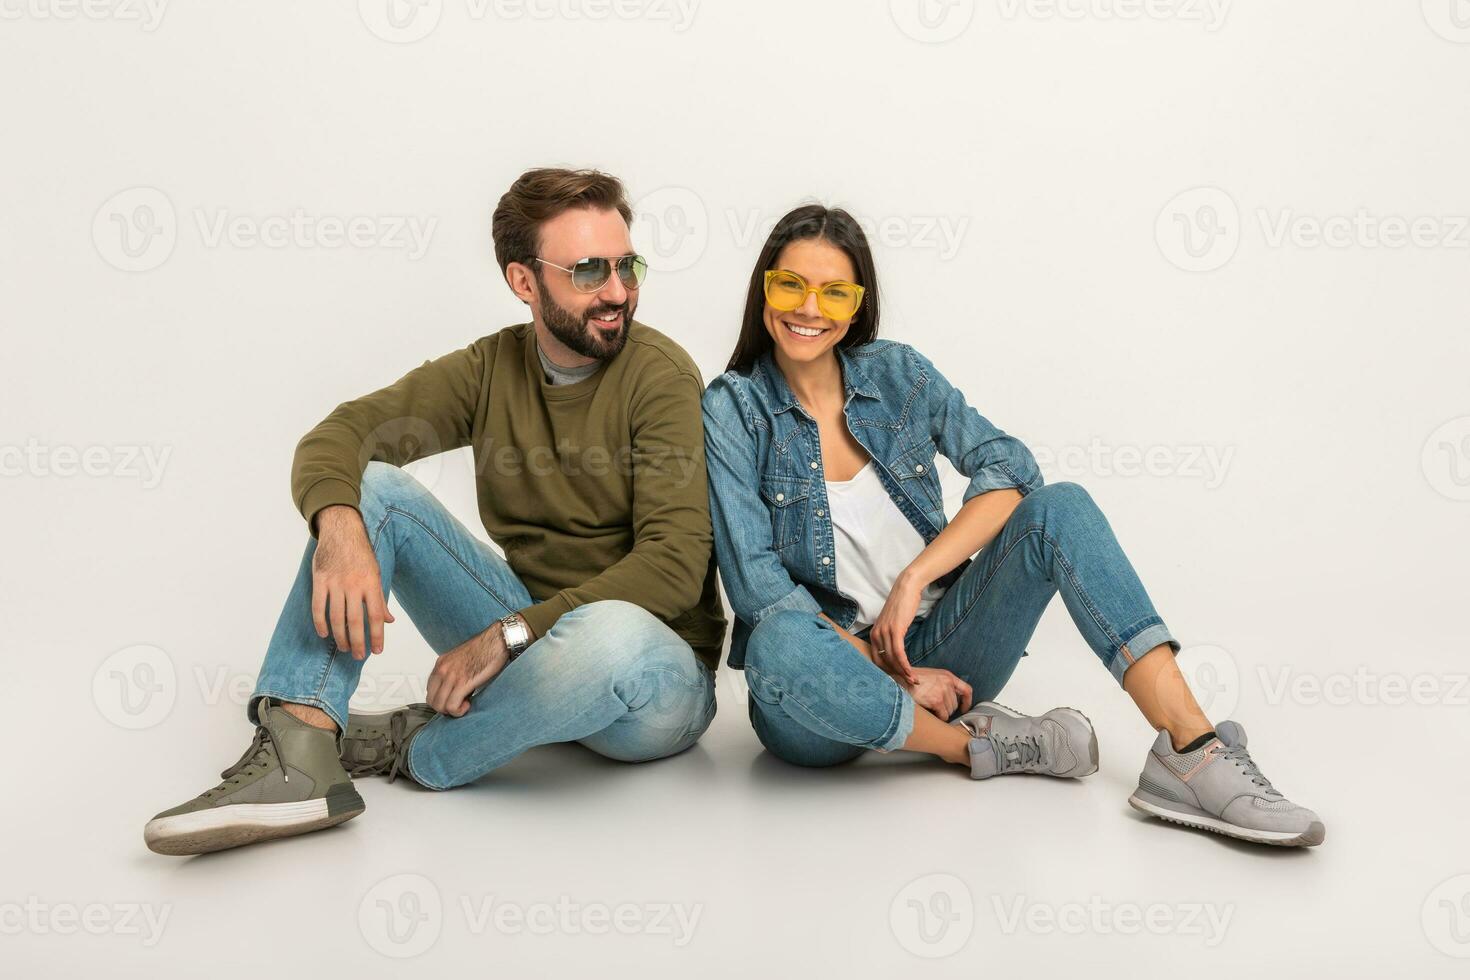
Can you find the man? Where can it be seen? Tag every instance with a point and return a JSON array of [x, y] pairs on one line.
[[601, 625]]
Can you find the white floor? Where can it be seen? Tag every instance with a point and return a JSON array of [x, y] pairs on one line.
[[726, 862]]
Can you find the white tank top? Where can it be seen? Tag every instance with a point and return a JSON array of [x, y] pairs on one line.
[[873, 542]]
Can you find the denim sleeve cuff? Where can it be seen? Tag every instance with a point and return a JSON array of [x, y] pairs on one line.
[[798, 598], [998, 476]]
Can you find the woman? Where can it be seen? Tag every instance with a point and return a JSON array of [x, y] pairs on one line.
[[862, 621]]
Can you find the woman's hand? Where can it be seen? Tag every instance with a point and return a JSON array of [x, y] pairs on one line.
[[940, 692], [886, 636]]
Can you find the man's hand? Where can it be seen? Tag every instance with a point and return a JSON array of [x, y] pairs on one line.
[[940, 692], [344, 580], [471, 665]]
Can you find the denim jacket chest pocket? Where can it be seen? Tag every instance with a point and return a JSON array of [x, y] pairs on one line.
[[913, 467], [787, 498]]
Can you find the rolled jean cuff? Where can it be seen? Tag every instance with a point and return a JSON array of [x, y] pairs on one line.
[[1139, 644], [900, 728]]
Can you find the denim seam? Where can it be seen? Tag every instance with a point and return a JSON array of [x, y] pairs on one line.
[[390, 510], [1066, 568]]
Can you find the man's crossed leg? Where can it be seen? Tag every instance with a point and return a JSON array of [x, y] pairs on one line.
[[608, 675]]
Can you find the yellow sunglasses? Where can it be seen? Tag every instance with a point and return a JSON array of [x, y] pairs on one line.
[[838, 300]]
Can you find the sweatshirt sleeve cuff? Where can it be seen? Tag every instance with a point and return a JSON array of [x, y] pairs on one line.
[[325, 493], [541, 616]]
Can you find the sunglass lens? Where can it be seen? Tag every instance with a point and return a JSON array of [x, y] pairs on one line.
[[839, 300], [632, 270], [785, 291], [589, 275]]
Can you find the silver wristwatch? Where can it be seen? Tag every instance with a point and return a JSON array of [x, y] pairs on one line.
[[515, 634]]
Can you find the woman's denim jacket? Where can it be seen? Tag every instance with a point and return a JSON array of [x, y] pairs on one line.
[[768, 498]]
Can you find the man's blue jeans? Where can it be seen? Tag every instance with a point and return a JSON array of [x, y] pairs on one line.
[[816, 701], [608, 674]]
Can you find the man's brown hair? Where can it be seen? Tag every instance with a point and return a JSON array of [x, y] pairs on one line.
[[541, 194]]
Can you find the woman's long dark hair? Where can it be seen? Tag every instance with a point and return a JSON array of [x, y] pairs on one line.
[[809, 221]]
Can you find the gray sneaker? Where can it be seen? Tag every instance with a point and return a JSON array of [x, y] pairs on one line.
[[1218, 787], [376, 744], [1002, 741], [288, 782]]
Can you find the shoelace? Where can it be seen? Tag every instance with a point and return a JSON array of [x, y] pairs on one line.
[[1018, 752], [1242, 758], [388, 755], [263, 744]]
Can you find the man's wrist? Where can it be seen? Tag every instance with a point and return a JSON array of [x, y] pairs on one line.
[[336, 516], [515, 635]]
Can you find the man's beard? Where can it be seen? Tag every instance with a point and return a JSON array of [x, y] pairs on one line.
[[581, 336]]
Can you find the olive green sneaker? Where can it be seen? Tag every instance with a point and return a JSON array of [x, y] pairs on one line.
[[288, 782], [376, 744]]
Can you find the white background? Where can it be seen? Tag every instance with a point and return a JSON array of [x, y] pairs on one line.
[[1098, 218]]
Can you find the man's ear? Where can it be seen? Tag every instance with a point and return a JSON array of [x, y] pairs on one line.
[[522, 281]]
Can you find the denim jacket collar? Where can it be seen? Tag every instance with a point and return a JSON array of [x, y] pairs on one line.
[[855, 380]]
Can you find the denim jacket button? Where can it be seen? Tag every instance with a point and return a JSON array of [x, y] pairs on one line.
[[780, 496], [819, 512], [826, 560], [814, 464], [919, 468]]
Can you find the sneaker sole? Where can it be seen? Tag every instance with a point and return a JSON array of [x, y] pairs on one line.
[[223, 827], [1091, 745], [1154, 807]]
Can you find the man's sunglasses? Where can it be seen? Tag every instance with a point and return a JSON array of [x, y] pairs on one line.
[[591, 274], [838, 300]]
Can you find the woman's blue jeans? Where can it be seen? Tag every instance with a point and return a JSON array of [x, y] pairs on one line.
[[609, 674], [816, 701]]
